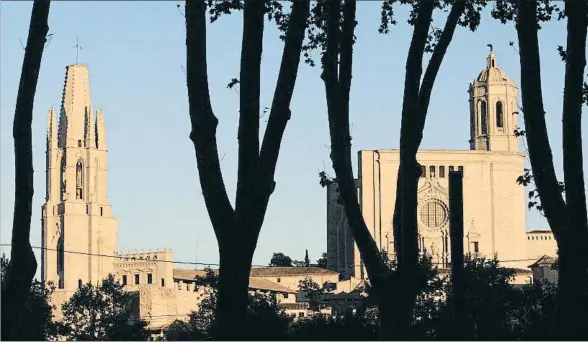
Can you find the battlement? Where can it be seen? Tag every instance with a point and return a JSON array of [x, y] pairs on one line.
[[164, 255]]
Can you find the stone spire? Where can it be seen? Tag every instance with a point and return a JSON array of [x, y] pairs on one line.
[[76, 107]]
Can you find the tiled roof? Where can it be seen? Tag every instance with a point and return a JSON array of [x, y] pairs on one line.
[[544, 260], [189, 275], [295, 306], [254, 283], [539, 231], [289, 271], [264, 284]]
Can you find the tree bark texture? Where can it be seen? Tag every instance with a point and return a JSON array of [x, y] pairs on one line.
[[237, 230], [22, 259], [567, 219]]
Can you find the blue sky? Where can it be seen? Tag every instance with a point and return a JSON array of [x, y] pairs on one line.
[[135, 52]]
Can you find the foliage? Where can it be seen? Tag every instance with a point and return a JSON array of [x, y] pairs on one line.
[[102, 313], [322, 261], [39, 325], [280, 260], [348, 327], [267, 321]]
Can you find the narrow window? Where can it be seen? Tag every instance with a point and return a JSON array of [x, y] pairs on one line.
[[124, 279], [442, 171], [432, 171], [101, 211], [301, 314], [476, 247], [79, 180], [79, 143], [451, 168], [162, 282], [492, 63], [483, 117], [136, 279], [460, 169], [278, 280], [87, 209], [499, 120], [285, 295], [79, 283], [423, 171], [149, 278], [61, 284]]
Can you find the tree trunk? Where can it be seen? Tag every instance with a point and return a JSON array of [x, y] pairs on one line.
[[231, 311], [22, 261], [237, 230], [572, 313], [567, 219]]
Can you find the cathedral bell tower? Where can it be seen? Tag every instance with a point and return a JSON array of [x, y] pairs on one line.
[[77, 226], [493, 110]]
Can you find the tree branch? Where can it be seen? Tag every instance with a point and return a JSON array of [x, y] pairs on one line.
[[204, 122], [337, 90], [280, 110], [540, 154], [577, 12], [23, 265], [248, 134], [426, 88]]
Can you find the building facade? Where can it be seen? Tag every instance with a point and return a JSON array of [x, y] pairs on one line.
[[80, 234], [494, 203]]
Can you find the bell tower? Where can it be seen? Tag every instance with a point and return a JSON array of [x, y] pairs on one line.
[[493, 109], [77, 225]]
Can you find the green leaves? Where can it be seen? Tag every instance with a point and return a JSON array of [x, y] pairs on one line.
[[103, 313]]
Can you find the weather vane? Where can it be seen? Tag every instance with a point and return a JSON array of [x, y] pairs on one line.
[[78, 47], [491, 47]]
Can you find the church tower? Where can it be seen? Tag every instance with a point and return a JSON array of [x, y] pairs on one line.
[[77, 224], [493, 110]]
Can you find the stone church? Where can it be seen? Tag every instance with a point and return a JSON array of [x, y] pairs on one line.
[[494, 204], [80, 234]]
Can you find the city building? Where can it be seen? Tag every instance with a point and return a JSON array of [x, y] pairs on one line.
[[80, 233], [494, 203]]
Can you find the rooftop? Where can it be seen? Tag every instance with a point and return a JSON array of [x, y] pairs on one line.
[[254, 283], [289, 271]]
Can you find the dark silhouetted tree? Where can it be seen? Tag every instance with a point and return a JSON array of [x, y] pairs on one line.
[[566, 214], [322, 261], [19, 277], [281, 260], [237, 229], [396, 305], [264, 316], [39, 325], [306, 259], [102, 313]]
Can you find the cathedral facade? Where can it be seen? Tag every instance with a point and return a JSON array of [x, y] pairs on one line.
[[494, 203]]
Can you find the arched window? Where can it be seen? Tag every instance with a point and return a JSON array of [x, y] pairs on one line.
[[423, 171], [79, 180], [432, 171], [79, 283], [484, 117], [499, 115]]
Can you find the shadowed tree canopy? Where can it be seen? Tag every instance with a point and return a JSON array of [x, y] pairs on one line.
[[281, 260], [103, 313], [39, 325]]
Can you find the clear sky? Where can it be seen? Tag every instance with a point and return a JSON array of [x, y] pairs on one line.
[[135, 52]]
